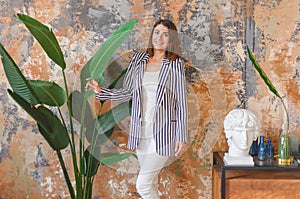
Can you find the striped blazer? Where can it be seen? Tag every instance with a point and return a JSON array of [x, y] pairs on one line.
[[170, 116]]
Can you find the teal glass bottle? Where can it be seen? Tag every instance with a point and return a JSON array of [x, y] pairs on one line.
[[270, 149], [261, 152]]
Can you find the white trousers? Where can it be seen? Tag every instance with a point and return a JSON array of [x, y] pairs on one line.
[[150, 165]]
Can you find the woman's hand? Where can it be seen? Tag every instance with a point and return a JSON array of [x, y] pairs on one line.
[[179, 148], [93, 85]]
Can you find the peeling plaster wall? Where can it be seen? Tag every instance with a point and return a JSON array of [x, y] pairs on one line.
[[214, 34]]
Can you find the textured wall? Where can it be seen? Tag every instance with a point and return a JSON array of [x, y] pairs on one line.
[[214, 34]]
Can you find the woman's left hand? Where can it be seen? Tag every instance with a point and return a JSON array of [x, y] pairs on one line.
[[179, 148]]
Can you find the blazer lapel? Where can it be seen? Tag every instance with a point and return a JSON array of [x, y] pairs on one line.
[[162, 78], [141, 67]]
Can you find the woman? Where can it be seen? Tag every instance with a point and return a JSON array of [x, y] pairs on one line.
[[155, 83]]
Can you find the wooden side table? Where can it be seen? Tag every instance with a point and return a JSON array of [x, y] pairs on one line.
[[259, 181]]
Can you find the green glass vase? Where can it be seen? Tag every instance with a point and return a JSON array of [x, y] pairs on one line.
[[284, 149]]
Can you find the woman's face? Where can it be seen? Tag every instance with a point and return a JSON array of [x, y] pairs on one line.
[[160, 37]]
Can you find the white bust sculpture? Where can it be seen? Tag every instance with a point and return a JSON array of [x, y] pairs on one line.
[[241, 128]]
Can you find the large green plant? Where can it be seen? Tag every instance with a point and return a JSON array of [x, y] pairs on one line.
[[267, 81], [36, 96]]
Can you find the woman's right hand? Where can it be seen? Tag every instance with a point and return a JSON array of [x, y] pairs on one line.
[[93, 85]]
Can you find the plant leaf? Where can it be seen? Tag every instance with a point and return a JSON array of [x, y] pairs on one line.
[[16, 79], [95, 67], [269, 84], [77, 100], [31, 110], [103, 129], [116, 83], [94, 163], [44, 35], [84, 75], [49, 93], [49, 125], [108, 159], [105, 52], [90, 123], [262, 74], [57, 137], [96, 138], [112, 117]]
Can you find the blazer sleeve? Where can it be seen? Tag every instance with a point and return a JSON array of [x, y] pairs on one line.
[[182, 116], [123, 94]]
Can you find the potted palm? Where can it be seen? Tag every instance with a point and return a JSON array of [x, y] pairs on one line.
[[38, 98], [284, 143]]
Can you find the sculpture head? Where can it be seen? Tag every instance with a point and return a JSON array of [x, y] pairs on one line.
[[241, 128]]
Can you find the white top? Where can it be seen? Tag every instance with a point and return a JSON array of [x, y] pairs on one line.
[[150, 82]]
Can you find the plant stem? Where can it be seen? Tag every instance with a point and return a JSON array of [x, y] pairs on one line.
[[67, 178], [81, 143], [77, 173], [88, 188], [287, 116], [88, 182]]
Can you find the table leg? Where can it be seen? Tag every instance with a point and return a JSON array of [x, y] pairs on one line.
[[223, 178]]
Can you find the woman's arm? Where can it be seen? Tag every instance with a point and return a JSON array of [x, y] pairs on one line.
[[181, 112], [122, 94]]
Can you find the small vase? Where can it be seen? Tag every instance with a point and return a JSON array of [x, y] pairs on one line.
[[270, 149], [254, 148], [294, 143], [261, 152], [284, 149]]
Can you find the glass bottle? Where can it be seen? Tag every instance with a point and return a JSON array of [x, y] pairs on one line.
[[261, 152], [294, 143], [270, 149]]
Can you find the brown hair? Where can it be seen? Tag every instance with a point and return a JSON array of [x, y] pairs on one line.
[[173, 50]]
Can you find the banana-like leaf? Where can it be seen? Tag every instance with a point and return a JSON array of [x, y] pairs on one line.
[[84, 75], [106, 123], [100, 131], [98, 140], [108, 48], [90, 123], [108, 159], [269, 84], [262, 73], [17, 81], [112, 117], [117, 82], [46, 38], [94, 162], [58, 137], [49, 93], [77, 100], [95, 67], [31, 110], [49, 125]]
